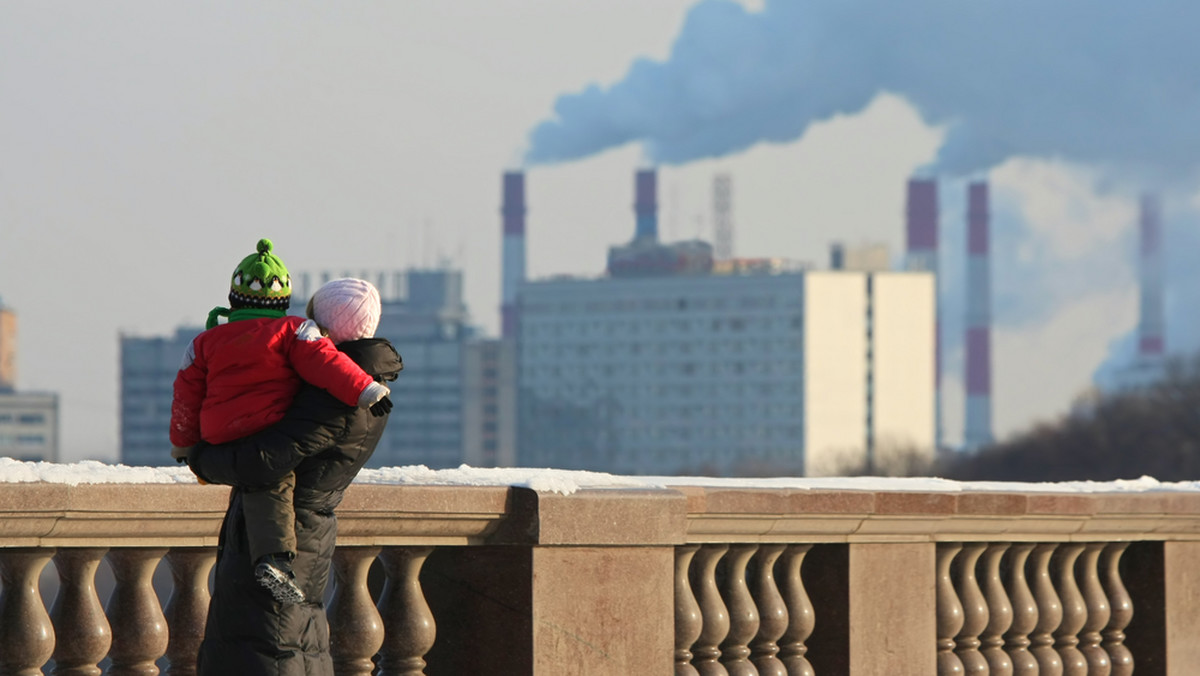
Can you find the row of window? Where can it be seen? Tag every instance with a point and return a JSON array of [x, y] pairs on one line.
[[22, 440], [23, 418], [576, 306], [587, 375], [547, 351], [532, 328]]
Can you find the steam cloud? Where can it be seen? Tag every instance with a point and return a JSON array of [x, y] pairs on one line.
[[1098, 82]]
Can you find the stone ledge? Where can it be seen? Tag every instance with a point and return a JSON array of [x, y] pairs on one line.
[[48, 515]]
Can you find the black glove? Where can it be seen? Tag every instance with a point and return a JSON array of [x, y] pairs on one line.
[[381, 407]]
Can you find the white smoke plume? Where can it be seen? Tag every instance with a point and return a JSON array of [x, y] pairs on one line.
[[1095, 82]]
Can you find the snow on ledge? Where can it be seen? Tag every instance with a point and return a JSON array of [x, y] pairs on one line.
[[566, 482]]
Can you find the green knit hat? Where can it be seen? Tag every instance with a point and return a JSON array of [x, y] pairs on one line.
[[261, 280]]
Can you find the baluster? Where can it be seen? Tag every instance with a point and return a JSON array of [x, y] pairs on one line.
[[975, 611], [80, 627], [772, 613], [949, 612], [1025, 613], [1049, 612], [187, 608], [138, 626], [687, 612], [1120, 608], [1074, 611], [1000, 613], [408, 626], [707, 650], [1097, 612], [743, 616], [801, 618], [355, 626], [26, 634]]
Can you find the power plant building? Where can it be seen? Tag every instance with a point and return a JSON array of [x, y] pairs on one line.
[[805, 372]]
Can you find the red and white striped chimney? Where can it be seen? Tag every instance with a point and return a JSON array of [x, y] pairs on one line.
[[977, 430], [921, 247], [513, 264], [1151, 322]]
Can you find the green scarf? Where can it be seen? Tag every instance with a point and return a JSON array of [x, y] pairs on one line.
[[240, 314]]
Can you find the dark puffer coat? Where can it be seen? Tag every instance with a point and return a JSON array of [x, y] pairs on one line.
[[326, 442]]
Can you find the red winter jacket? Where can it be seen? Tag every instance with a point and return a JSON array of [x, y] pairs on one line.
[[238, 378]]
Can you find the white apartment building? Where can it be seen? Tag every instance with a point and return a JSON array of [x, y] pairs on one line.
[[802, 372]]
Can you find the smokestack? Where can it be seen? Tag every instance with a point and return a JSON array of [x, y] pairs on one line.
[[921, 254], [978, 428], [646, 204], [513, 264], [1151, 325]]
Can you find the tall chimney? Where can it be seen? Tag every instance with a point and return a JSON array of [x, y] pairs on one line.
[[646, 204], [513, 270], [921, 247], [1151, 324], [977, 431]]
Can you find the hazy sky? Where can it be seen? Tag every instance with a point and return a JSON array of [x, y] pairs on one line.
[[145, 147]]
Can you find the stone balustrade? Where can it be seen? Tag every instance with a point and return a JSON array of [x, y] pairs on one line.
[[685, 580]]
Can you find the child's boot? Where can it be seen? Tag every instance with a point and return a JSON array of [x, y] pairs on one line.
[[274, 571]]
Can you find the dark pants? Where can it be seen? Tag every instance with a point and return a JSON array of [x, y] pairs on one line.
[[270, 519]]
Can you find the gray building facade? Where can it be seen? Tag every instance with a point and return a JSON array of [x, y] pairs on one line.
[[794, 372], [148, 368]]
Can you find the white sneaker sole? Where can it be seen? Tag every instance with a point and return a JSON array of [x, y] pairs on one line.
[[282, 588]]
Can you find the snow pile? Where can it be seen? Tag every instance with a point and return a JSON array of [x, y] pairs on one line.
[[560, 481], [566, 482], [90, 472]]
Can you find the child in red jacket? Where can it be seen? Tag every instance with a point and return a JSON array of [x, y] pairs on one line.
[[240, 376]]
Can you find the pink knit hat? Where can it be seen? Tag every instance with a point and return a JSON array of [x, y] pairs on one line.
[[348, 309]]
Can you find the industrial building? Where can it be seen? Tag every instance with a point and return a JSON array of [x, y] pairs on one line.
[[675, 362]]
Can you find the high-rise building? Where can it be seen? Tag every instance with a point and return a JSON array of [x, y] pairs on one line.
[[148, 368], [489, 403], [810, 373]]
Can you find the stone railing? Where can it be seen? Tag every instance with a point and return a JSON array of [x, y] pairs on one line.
[[685, 580]]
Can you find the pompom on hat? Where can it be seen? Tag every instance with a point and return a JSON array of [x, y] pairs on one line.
[[261, 280], [348, 309]]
